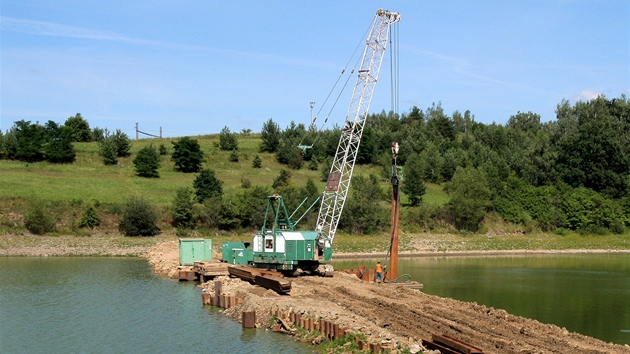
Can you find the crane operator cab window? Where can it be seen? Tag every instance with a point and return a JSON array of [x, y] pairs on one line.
[[268, 243]]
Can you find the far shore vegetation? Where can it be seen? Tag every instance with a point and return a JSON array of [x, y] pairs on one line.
[[525, 185]]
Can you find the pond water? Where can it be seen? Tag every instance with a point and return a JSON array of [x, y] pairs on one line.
[[585, 293], [115, 305]]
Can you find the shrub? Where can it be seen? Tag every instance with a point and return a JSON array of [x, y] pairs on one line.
[[227, 140], [234, 156], [270, 136], [79, 128], [183, 206], [312, 165], [325, 171], [187, 155], [122, 142], [470, 198], [138, 218], [147, 162], [257, 163], [108, 151], [38, 220], [283, 180], [207, 185], [210, 212], [89, 218]]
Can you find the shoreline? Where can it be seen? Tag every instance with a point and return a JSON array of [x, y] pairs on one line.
[[479, 253], [140, 252], [45, 249], [418, 245]]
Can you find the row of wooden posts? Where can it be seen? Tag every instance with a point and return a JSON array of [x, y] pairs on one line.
[[329, 329], [227, 301]]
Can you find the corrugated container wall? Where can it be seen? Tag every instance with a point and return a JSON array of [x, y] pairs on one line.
[[193, 250]]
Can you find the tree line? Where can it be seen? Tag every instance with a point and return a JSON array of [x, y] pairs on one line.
[[572, 173]]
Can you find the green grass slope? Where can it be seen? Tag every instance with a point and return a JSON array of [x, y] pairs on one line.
[[89, 179]]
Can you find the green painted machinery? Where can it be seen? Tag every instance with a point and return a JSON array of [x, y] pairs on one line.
[[280, 247]]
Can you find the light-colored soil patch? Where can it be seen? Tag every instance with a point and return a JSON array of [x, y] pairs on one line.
[[64, 246]]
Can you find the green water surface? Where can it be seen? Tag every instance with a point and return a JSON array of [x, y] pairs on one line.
[[585, 293]]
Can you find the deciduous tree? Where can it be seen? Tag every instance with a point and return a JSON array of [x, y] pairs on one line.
[[470, 197], [413, 184]]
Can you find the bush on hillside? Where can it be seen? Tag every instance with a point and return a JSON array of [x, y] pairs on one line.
[[147, 162], [187, 155], [234, 156], [108, 151], [38, 220], [227, 140], [89, 218], [207, 185], [123, 144], [283, 180], [79, 128], [257, 162], [183, 208], [138, 218]]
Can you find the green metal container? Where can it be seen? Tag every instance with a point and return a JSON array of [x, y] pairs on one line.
[[243, 256], [228, 251], [193, 250]]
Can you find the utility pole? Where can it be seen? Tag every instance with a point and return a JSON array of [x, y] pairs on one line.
[[393, 246], [312, 105]]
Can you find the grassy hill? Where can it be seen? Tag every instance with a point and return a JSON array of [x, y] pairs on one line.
[[67, 188]]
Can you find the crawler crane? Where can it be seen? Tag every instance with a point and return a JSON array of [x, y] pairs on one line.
[[280, 246]]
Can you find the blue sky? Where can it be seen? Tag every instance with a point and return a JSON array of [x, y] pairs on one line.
[[193, 67]]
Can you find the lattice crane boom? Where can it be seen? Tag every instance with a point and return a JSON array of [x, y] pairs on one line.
[[338, 184]]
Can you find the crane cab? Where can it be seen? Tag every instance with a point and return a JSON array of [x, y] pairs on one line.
[[281, 247]]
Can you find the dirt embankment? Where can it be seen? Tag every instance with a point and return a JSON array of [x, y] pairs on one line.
[[395, 315]]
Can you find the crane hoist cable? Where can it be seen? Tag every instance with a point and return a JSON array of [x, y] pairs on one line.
[[343, 71], [394, 68]]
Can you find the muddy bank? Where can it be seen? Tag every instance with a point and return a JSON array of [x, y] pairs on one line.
[[395, 316]]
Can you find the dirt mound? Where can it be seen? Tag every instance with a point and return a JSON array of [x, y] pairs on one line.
[[164, 258], [395, 315]]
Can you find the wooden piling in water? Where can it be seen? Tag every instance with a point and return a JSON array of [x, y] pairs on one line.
[[249, 319]]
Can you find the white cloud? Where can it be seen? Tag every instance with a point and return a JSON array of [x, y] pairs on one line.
[[42, 28], [586, 95]]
